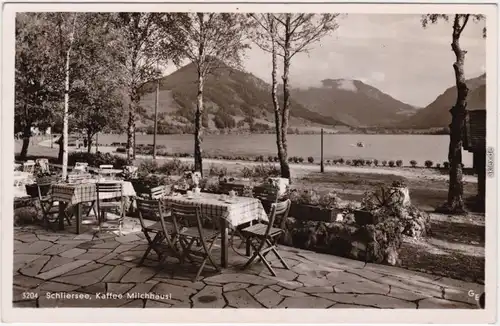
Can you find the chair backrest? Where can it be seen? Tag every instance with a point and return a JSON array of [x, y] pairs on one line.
[[29, 166], [266, 193], [225, 188], [43, 163], [111, 190], [185, 215], [105, 166], [152, 209], [278, 215], [44, 190], [81, 166], [32, 190], [158, 192]]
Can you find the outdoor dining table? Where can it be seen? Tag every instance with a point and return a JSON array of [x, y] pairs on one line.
[[76, 194], [108, 172], [231, 211]]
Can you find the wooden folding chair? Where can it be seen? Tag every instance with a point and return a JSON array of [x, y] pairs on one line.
[[161, 236], [81, 166], [29, 166], [184, 216], [264, 237], [43, 165], [110, 200], [267, 194], [49, 207], [158, 192]]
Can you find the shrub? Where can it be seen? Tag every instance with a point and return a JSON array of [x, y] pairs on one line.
[[399, 163], [290, 159], [446, 165], [121, 150], [341, 161], [259, 158], [348, 162], [368, 162], [328, 162], [147, 167], [310, 159], [217, 171], [391, 163], [270, 159], [247, 172], [301, 159], [96, 159], [276, 159], [428, 164], [265, 171], [175, 167], [413, 163], [375, 162], [438, 165], [384, 162]]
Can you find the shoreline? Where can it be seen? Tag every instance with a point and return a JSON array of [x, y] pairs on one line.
[[298, 170]]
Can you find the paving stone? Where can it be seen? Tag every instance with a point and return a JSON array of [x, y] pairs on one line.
[[134, 304], [254, 289], [290, 285], [305, 302], [430, 290], [72, 253], [54, 262], [179, 293], [106, 245], [343, 277], [179, 304], [62, 269], [87, 278], [26, 281], [275, 288], [281, 275], [346, 306], [290, 293], [209, 297], [190, 284], [373, 300], [366, 273], [138, 275], [119, 288], [127, 238], [45, 237], [316, 289], [234, 286], [269, 298], [84, 236], [21, 259], [436, 303], [84, 269], [116, 274], [94, 288], [456, 290], [89, 244], [156, 304], [34, 267], [241, 299], [362, 287], [113, 262], [26, 237], [94, 254], [240, 278], [51, 286], [59, 248], [36, 247], [313, 281], [141, 288], [406, 294], [335, 262]]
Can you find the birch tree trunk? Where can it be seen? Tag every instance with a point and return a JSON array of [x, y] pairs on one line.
[[455, 191], [66, 103], [198, 132], [285, 168], [26, 141], [131, 130]]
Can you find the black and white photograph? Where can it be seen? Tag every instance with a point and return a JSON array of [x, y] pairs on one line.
[[283, 158]]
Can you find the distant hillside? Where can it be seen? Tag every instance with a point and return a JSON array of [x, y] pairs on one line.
[[353, 102], [232, 99], [437, 115]]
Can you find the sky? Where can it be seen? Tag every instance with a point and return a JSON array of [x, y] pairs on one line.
[[392, 52]]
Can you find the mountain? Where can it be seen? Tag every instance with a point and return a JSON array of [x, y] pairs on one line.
[[437, 115], [232, 99], [354, 103]]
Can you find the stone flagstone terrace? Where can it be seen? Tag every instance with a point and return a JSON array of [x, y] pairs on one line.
[[62, 269]]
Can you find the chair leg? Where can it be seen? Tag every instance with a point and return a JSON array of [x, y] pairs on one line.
[[248, 250], [264, 260], [280, 258]]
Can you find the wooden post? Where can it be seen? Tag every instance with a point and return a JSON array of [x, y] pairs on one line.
[[156, 117], [322, 164]]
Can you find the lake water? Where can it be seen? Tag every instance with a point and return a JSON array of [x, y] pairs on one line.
[[381, 147]]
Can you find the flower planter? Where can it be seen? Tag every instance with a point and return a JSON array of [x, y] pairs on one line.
[[363, 217], [312, 213]]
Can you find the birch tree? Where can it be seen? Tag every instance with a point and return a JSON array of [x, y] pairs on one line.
[[455, 203], [284, 36], [210, 41]]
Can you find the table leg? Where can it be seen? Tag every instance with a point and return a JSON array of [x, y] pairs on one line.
[[224, 243], [78, 215], [62, 214]]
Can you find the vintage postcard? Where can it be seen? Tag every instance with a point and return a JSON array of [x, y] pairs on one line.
[[259, 163]]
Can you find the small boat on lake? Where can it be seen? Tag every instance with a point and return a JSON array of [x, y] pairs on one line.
[[360, 144]]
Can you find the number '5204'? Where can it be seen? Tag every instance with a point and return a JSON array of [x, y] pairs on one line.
[[30, 295]]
